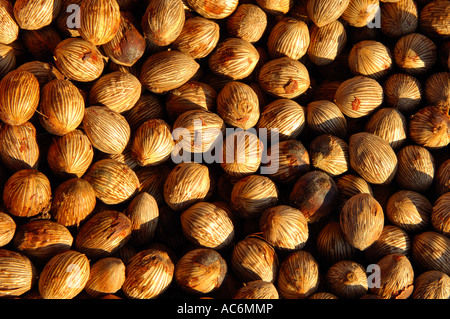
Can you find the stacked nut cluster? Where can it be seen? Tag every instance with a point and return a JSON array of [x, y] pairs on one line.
[[253, 149]]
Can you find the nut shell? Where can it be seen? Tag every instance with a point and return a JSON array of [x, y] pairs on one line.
[[27, 193], [73, 201], [34, 15], [298, 277], [18, 274], [361, 220], [323, 12], [107, 276], [431, 251], [372, 158], [143, 213], [167, 70], [61, 107], [103, 234], [9, 27], [284, 78], [213, 9], [7, 229], [41, 239], [113, 181], [19, 97], [64, 276], [440, 216], [288, 38], [107, 130]]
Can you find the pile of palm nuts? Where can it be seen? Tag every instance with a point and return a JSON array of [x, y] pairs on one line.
[[225, 149]]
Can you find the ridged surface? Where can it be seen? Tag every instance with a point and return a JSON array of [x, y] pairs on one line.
[[326, 42], [42, 239], [10, 29], [347, 279], [298, 277], [64, 276], [233, 58], [370, 58], [152, 143], [213, 9], [276, 7], [119, 91], [325, 117], [18, 274], [403, 91], [163, 21], [72, 202], [284, 227], [389, 124], [8, 60], [27, 193], [167, 70], [79, 60], [43, 71], [198, 37], [362, 221], [409, 210], [257, 289], [107, 276], [372, 158], [329, 154], [286, 161], [429, 127], [434, 19], [61, 107], [285, 116], [437, 89], [431, 251], [207, 225], [7, 228], [148, 274], [151, 180], [143, 213], [284, 78], [323, 12], [148, 106], [252, 194], [19, 97], [288, 38], [200, 271], [399, 18], [34, 15], [332, 245], [99, 20], [198, 131], [397, 277], [238, 105], [432, 284], [103, 234], [107, 130], [393, 240], [359, 96], [190, 96], [359, 13], [253, 258], [19, 148], [113, 182], [350, 185], [70, 155], [440, 216], [247, 22], [186, 184], [415, 54], [241, 154], [443, 178], [415, 168]]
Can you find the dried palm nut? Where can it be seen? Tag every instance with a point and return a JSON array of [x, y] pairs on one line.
[[440, 216], [409, 210], [34, 15], [359, 96], [323, 12], [248, 22], [389, 124], [257, 289], [7, 229], [288, 38], [360, 13], [325, 117], [9, 30], [370, 58], [213, 9], [429, 127], [350, 185], [18, 274], [415, 54], [434, 18], [431, 251], [372, 158], [315, 194], [361, 220], [284, 78], [107, 276], [113, 181], [437, 89], [329, 153], [443, 178], [393, 240], [432, 284], [347, 279], [326, 42], [399, 18], [403, 91], [415, 168]]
